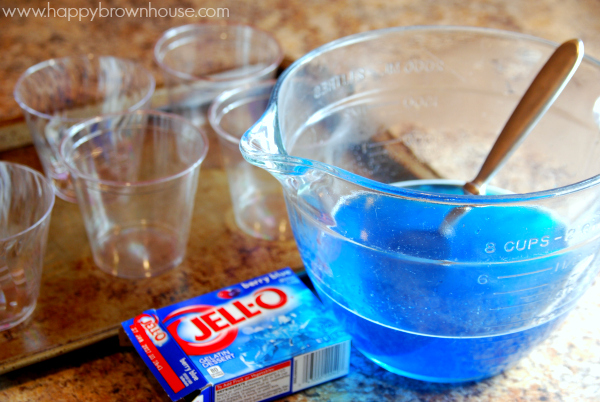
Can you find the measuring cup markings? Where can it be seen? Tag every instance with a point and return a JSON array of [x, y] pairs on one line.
[[410, 66], [520, 290], [524, 274], [575, 262], [512, 245], [420, 101], [414, 65], [538, 296], [339, 81], [544, 241], [561, 291]]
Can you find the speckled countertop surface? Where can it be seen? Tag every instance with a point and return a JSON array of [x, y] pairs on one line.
[[564, 368]]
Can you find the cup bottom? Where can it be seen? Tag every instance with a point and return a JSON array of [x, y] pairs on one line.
[[139, 251], [265, 217], [16, 319], [63, 186]]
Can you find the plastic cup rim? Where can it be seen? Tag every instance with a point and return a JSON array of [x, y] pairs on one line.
[[173, 32], [49, 192], [215, 119], [49, 62], [138, 184]]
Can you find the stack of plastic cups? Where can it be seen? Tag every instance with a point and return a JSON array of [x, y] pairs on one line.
[[58, 93]]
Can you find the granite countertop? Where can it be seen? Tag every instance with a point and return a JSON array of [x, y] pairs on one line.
[[300, 25], [564, 368]]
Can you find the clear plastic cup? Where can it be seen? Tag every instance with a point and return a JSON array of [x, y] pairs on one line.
[[199, 61], [26, 202], [58, 93], [257, 197], [135, 176]]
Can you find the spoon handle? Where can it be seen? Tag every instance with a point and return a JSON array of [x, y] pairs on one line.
[[540, 95]]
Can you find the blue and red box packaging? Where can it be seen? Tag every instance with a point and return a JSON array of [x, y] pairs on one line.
[[254, 341]]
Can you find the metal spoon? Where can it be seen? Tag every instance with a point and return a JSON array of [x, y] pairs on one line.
[[540, 95], [538, 98]]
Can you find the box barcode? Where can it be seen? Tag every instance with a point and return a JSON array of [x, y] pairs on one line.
[[320, 366]]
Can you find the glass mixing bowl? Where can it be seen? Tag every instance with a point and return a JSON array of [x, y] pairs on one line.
[[371, 137]]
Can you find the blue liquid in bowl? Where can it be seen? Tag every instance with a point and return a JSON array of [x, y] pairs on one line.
[[441, 308], [434, 358]]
